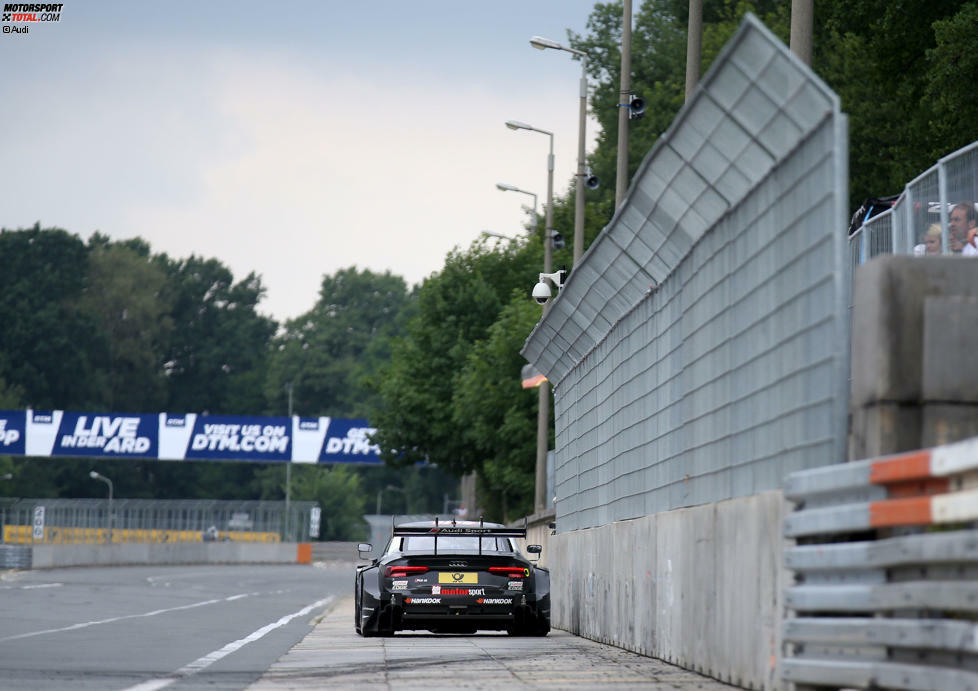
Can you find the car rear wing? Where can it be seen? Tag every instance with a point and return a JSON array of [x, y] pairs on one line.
[[451, 529]]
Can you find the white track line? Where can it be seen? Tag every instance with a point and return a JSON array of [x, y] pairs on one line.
[[86, 624], [209, 659]]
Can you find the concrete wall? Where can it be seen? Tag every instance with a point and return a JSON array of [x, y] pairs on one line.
[[334, 551], [57, 556], [914, 354], [699, 587], [538, 533]]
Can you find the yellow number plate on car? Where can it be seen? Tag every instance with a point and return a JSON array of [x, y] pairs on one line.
[[457, 577]]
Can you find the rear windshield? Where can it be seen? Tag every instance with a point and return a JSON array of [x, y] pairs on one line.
[[451, 544]]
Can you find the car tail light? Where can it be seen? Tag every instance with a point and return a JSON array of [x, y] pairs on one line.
[[511, 571], [402, 571]]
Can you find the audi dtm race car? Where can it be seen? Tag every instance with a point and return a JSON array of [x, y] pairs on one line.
[[452, 577]]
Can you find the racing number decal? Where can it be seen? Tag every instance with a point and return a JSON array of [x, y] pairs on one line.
[[457, 577]]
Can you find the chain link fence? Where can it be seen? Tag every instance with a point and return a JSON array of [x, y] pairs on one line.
[[923, 208], [92, 521]]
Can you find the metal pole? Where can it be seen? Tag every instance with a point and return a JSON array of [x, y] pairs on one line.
[[288, 481], [579, 201], [802, 18], [624, 93], [543, 395], [111, 515], [694, 42]]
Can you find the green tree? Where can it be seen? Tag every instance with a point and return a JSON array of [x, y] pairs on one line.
[[338, 493], [51, 347], [329, 354], [123, 294], [496, 416], [218, 351], [456, 308]]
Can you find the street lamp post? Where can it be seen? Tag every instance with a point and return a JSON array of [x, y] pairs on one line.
[[543, 401], [98, 476], [503, 187], [542, 44], [493, 234]]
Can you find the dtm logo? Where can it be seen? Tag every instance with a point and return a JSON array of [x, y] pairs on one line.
[[356, 443], [176, 422]]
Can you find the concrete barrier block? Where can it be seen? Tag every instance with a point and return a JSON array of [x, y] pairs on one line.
[[944, 423], [950, 355], [699, 587], [887, 324], [60, 556], [883, 428]]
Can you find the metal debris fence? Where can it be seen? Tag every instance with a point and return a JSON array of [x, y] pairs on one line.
[[91, 521]]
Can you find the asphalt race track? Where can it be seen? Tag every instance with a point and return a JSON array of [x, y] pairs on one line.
[[175, 627], [269, 628]]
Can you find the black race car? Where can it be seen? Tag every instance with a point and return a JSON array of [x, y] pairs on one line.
[[452, 577]]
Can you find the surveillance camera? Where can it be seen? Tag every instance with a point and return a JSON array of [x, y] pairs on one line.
[[591, 182], [541, 292]]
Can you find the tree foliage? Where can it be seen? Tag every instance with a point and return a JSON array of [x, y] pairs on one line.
[[329, 355], [456, 308]]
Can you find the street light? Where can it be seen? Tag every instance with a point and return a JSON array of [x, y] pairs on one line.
[[548, 231], [542, 44], [98, 476], [502, 186], [543, 401], [492, 234]]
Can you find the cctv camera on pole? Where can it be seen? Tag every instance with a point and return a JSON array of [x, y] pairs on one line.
[[541, 291]]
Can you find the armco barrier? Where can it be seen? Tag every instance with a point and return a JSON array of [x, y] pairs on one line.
[[886, 573]]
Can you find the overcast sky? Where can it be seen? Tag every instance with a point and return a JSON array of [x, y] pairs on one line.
[[291, 139]]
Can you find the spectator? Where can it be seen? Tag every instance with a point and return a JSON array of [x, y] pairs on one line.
[[931, 241], [962, 229]]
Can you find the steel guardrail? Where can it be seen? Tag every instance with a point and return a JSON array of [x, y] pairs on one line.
[[885, 591]]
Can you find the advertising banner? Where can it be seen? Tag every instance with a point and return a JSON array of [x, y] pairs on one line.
[[13, 425], [348, 441], [113, 435], [222, 437], [187, 436]]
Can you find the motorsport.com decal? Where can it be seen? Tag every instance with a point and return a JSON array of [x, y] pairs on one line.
[[168, 436]]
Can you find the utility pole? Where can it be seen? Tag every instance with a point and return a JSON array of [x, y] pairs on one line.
[[694, 45], [288, 477], [624, 94], [802, 19]]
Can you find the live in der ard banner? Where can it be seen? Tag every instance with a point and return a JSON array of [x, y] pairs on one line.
[[187, 437]]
